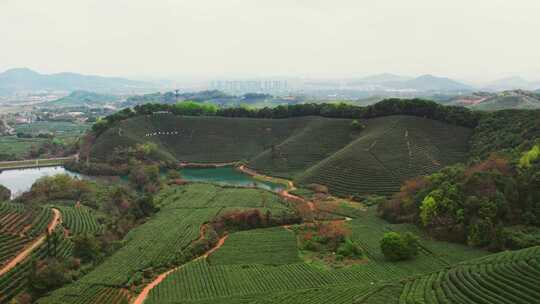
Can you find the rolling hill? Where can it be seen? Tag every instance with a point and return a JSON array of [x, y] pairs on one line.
[[81, 98], [512, 83], [389, 151], [424, 83], [507, 277], [434, 83], [199, 139], [309, 149], [516, 99]]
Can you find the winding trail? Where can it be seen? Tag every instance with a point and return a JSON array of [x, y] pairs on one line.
[[144, 293], [57, 219], [283, 193]]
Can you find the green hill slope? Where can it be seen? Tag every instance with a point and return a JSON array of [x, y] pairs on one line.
[[507, 277], [390, 150], [82, 98], [315, 142], [484, 101], [509, 100], [200, 139], [319, 150]]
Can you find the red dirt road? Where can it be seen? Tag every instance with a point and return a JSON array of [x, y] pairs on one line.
[[57, 219], [144, 293]]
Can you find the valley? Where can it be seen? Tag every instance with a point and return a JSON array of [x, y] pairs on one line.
[[269, 152], [246, 209]]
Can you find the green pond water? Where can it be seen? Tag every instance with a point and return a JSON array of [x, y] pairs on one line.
[[21, 180], [226, 176]]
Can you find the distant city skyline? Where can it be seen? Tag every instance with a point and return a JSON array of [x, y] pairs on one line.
[[474, 41]]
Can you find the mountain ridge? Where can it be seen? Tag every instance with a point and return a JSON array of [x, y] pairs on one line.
[[24, 79]]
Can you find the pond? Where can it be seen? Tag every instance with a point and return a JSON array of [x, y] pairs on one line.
[[21, 180], [227, 176]]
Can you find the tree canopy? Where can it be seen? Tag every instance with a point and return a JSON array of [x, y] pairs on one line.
[[416, 107]]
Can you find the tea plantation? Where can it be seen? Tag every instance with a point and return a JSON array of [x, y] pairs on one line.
[[164, 240], [333, 152], [264, 266]]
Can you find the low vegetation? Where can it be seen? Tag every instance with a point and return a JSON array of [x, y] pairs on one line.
[[397, 247], [473, 204], [401, 201], [389, 151]]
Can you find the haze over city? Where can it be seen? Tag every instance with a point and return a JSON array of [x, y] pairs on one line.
[[475, 41]]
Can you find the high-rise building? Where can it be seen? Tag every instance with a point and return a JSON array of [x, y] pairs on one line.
[[250, 86]]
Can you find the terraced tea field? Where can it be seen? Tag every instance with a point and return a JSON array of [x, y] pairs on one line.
[[317, 141], [389, 151], [163, 241], [200, 139], [80, 220], [331, 152], [507, 277], [22, 229], [270, 246], [252, 268], [267, 266]]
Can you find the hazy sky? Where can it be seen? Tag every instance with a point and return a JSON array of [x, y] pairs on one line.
[[465, 39]]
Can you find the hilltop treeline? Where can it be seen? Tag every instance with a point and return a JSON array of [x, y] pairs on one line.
[[505, 130], [416, 107]]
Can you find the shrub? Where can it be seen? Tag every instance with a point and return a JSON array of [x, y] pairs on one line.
[[173, 174], [145, 178], [397, 247], [86, 247], [325, 236], [311, 245], [5, 193], [350, 249], [373, 200], [317, 188], [529, 157], [355, 124], [47, 275]]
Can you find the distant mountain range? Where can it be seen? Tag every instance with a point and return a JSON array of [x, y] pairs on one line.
[[424, 83], [23, 80], [26, 80], [512, 83]]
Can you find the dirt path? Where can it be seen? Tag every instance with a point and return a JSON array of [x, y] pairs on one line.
[[57, 219], [283, 193], [220, 243], [144, 293]]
